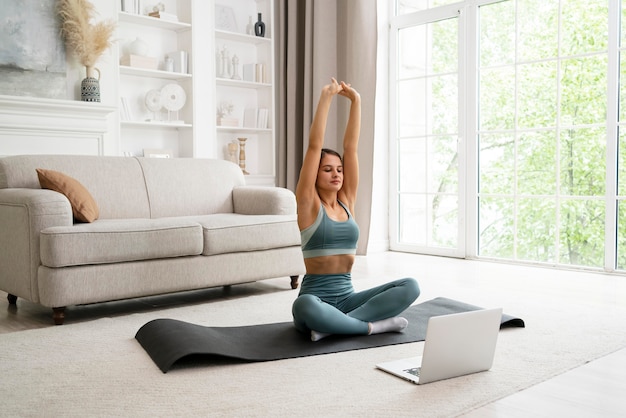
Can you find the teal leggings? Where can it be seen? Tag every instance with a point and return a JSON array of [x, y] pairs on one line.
[[329, 304]]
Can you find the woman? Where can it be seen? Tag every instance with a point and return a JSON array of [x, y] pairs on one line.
[[326, 197]]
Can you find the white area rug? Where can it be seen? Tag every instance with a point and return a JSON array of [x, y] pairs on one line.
[[97, 368]]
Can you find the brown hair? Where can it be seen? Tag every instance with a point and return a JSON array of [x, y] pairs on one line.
[[331, 152]]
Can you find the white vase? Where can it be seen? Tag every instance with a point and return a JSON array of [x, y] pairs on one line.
[[250, 26], [139, 47]]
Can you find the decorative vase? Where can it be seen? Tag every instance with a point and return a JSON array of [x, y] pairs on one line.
[[259, 27], [168, 64], [139, 47], [250, 26], [232, 152], [90, 86]]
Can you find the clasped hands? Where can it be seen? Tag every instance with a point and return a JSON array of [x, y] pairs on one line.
[[343, 89]]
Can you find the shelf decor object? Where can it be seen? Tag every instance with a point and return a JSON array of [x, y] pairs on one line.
[[235, 75], [138, 61], [242, 155], [180, 61], [90, 86], [173, 98], [154, 103], [87, 40], [224, 63], [250, 26], [139, 47], [225, 18], [223, 115], [158, 11], [157, 153], [232, 152], [259, 27]]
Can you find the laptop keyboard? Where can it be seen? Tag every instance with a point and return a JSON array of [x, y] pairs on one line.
[[415, 371]]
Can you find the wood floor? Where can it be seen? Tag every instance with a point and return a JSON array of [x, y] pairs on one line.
[[596, 389]]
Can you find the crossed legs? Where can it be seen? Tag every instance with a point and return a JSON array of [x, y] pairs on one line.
[[371, 311]]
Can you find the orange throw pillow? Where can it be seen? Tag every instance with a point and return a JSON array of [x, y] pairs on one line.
[[84, 207]]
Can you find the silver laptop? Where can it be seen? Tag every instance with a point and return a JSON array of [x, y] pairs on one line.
[[456, 345]]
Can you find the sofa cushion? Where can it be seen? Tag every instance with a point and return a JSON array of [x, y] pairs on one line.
[[116, 183], [190, 186], [230, 232], [113, 241], [84, 207]]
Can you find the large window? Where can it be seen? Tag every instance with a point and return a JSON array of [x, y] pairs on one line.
[[542, 130], [427, 122], [538, 86]]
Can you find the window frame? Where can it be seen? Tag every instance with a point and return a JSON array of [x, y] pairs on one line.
[[468, 14]]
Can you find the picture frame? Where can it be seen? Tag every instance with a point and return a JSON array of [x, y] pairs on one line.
[[157, 153], [225, 18], [30, 66]]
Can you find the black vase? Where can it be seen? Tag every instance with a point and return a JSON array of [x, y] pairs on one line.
[[259, 27]]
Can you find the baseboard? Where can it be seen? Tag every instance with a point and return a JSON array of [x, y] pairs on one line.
[[377, 246]]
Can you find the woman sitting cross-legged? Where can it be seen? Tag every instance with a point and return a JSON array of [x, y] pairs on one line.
[[326, 196]]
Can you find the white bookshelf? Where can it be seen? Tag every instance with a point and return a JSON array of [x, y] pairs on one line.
[[254, 94], [179, 132]]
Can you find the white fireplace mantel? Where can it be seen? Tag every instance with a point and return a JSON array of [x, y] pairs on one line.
[[48, 126]]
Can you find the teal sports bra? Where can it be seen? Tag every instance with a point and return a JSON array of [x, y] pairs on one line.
[[329, 237]]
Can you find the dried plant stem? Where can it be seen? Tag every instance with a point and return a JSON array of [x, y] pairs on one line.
[[87, 40]]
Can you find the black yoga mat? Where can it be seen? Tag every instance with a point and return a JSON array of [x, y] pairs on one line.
[[169, 340]]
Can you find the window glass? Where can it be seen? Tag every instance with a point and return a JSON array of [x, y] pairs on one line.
[[538, 22], [539, 96], [542, 131], [536, 166], [427, 112], [497, 163]]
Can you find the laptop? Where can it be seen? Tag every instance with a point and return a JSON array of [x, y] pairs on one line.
[[456, 345]]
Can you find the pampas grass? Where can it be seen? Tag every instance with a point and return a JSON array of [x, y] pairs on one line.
[[86, 39]]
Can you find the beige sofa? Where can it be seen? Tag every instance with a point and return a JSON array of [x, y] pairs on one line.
[[164, 225]]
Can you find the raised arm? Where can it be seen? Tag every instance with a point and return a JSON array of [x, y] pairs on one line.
[[306, 193], [350, 148]]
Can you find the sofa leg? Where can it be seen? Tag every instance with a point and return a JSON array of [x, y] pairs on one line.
[[294, 282], [12, 299], [58, 315]]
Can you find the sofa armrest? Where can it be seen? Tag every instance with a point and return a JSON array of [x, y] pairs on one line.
[[263, 200], [23, 214]]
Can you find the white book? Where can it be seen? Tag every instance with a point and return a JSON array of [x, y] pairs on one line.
[[262, 118], [249, 72], [260, 73], [250, 117], [125, 112]]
